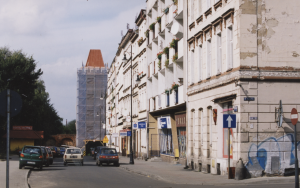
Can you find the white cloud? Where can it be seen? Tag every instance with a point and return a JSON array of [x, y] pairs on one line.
[[59, 35]]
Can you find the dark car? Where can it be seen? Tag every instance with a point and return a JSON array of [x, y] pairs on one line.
[[50, 155], [97, 149], [55, 150], [62, 151], [46, 160], [31, 156], [107, 155]]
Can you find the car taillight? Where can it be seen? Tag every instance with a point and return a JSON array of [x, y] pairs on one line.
[[116, 157], [101, 156], [65, 156], [81, 156], [22, 155], [40, 156], [47, 156]]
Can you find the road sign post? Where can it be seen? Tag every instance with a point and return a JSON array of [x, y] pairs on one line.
[[229, 121], [294, 118]]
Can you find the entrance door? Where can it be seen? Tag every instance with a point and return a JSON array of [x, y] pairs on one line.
[[123, 146]]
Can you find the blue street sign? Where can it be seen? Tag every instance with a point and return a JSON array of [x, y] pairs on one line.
[[163, 123], [135, 126], [128, 133], [229, 121], [142, 125]]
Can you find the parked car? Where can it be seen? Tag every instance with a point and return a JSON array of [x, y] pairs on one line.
[[46, 160], [73, 155], [97, 149], [62, 151], [50, 155], [31, 156], [55, 150], [107, 155]]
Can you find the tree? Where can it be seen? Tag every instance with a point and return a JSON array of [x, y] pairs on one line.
[[70, 128], [18, 72]]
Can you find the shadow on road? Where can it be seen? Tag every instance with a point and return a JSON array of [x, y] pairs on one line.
[[48, 169]]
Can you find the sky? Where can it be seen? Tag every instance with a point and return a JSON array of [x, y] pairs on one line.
[[58, 34]]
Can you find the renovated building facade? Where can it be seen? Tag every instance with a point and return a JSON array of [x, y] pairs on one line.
[[242, 59], [166, 81]]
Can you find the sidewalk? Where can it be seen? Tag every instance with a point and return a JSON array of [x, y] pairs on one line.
[[17, 177], [176, 174]]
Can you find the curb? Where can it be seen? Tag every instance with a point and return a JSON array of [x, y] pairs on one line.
[[27, 175], [254, 181]]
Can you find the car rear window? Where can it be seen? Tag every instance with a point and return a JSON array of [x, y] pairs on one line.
[[31, 150], [62, 148], [73, 151], [108, 151]]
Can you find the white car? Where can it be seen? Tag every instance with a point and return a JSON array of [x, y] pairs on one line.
[[73, 155]]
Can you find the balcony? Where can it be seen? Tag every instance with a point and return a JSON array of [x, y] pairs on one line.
[[179, 15], [180, 50], [171, 54], [170, 16], [156, 31], [163, 23]]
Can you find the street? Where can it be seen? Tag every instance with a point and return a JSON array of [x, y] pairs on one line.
[[90, 175]]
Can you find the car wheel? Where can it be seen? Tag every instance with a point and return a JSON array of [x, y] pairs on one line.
[[82, 163], [117, 164], [47, 164], [41, 167], [97, 163], [51, 162], [20, 166], [65, 163], [94, 158]]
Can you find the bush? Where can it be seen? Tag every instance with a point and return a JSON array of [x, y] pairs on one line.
[[151, 26]]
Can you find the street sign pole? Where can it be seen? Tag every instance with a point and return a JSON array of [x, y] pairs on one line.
[[294, 118], [228, 153], [7, 138], [229, 121]]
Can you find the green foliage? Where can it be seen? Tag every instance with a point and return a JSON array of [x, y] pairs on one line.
[[166, 63], [175, 57], [158, 19], [159, 64], [151, 26], [166, 50], [70, 128], [24, 78], [147, 33], [159, 54], [173, 44]]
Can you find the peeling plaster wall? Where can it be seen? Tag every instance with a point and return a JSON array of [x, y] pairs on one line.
[[278, 29]]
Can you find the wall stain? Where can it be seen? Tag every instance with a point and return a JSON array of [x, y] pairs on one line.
[[244, 55], [248, 7], [295, 54]]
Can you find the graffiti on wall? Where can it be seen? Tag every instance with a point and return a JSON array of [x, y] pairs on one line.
[[272, 155]]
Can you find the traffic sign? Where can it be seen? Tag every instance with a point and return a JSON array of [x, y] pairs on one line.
[[229, 121], [105, 139], [294, 116]]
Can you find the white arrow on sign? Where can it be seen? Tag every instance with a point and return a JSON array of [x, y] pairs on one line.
[[229, 119]]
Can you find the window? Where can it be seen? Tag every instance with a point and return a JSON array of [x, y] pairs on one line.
[[219, 54], [208, 64], [229, 48], [200, 64], [192, 68]]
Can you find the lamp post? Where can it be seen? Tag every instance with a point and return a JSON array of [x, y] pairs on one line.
[[124, 60]]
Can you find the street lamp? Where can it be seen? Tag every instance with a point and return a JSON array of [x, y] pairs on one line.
[[124, 60]]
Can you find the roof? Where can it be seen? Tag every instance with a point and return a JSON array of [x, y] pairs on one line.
[[26, 134], [95, 59]]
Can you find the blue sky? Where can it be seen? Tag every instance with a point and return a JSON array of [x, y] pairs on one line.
[[60, 33]]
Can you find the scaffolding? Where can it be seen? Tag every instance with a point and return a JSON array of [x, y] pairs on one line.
[[90, 108]]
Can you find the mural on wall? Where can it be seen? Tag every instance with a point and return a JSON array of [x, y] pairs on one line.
[[273, 155]]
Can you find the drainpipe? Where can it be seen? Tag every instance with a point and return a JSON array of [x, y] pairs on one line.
[[186, 80]]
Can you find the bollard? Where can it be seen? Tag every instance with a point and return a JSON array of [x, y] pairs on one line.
[[239, 170]]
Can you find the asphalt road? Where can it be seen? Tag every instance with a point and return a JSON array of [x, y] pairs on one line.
[[92, 176]]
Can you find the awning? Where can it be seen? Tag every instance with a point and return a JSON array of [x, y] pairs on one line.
[[224, 99]]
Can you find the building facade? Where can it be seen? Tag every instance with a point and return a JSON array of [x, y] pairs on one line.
[[122, 79], [166, 84], [242, 62]]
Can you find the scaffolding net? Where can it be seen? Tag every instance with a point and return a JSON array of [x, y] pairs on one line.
[[90, 108]]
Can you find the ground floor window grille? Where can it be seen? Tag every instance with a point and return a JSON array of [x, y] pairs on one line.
[[165, 142], [182, 141]]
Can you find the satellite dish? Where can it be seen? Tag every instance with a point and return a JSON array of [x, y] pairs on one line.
[[177, 30]]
